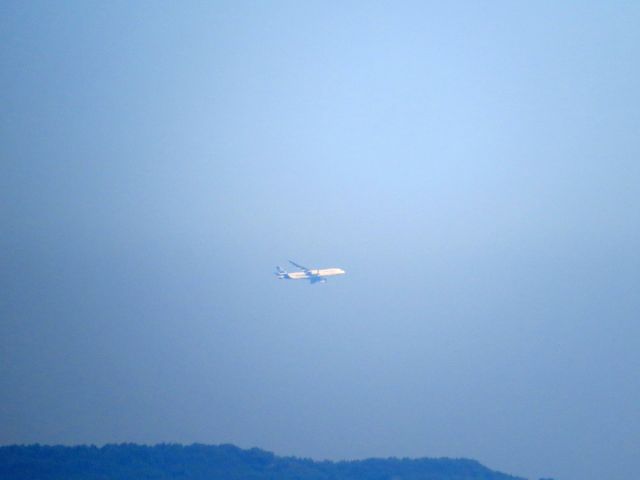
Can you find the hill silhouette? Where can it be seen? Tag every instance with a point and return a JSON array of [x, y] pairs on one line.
[[211, 462]]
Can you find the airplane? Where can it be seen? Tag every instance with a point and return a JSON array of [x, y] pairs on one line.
[[314, 276]]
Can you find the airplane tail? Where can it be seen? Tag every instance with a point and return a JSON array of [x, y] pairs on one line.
[[280, 273]]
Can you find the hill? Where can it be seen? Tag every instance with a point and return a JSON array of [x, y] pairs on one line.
[[210, 462]]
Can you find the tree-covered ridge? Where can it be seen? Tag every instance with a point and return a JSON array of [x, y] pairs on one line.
[[224, 462]]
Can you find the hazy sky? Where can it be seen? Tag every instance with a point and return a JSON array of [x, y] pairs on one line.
[[474, 166]]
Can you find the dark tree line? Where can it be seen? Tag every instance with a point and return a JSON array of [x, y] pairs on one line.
[[223, 462]]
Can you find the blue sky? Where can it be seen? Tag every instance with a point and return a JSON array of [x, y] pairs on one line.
[[473, 166]]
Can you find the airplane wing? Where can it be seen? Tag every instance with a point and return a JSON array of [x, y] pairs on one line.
[[304, 269]]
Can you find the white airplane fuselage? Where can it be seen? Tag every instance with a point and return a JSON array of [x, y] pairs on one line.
[[316, 273]]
